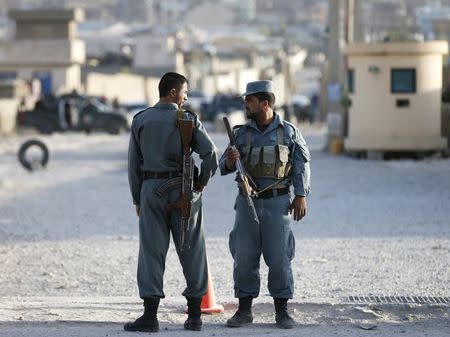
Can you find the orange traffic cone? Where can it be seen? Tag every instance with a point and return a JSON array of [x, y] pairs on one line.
[[209, 305]]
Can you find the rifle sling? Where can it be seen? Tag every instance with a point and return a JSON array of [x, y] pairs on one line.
[[186, 127]]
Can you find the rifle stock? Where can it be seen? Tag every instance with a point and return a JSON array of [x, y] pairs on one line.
[[186, 128]]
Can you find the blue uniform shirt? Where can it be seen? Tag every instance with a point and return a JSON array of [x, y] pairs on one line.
[[155, 145], [300, 174]]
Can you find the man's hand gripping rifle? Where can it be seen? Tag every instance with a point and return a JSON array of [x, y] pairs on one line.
[[245, 182]]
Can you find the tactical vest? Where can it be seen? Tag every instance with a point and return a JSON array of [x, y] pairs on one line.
[[267, 161]]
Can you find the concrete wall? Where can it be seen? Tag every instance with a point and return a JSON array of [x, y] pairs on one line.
[[61, 58], [42, 30], [279, 84], [223, 83], [124, 87], [244, 76], [46, 23], [20, 53], [136, 88], [64, 79], [233, 81], [45, 42], [375, 121], [73, 78], [8, 115], [154, 52], [151, 90], [127, 88], [221, 66]]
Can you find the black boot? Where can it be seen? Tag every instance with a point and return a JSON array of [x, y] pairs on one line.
[[194, 321], [243, 315], [148, 322], [282, 318]]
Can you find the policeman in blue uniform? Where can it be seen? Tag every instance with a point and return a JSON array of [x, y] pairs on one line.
[[154, 166], [275, 155]]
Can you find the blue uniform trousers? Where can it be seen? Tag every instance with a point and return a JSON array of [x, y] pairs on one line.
[[273, 238], [155, 226]]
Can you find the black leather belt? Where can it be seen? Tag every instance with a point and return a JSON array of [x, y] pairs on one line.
[[271, 193], [160, 175]]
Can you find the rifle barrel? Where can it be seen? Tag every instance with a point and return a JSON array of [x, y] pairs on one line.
[[240, 168]]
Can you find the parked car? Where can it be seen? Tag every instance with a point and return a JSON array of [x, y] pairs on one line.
[[302, 109], [73, 112], [132, 109], [196, 98], [221, 103]]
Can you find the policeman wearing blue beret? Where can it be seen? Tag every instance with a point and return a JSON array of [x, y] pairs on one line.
[[274, 153]]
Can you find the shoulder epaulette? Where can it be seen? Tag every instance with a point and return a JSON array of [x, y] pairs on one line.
[[191, 113], [187, 112], [140, 112], [239, 130], [289, 124]]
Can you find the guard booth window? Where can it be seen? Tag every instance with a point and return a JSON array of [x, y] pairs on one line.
[[403, 81], [351, 80]]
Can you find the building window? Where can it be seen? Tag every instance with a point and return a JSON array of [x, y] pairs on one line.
[[403, 81], [8, 75], [351, 80]]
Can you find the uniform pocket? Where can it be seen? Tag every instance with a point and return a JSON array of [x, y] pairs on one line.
[[255, 155], [268, 161], [245, 153], [283, 166], [291, 246]]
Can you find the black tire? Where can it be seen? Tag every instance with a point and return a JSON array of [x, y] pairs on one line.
[[30, 166]]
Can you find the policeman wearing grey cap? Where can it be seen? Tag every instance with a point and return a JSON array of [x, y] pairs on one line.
[[274, 153]]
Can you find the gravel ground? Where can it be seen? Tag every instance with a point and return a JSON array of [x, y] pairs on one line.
[[68, 244]]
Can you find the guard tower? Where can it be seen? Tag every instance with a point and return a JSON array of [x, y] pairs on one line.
[[395, 89]]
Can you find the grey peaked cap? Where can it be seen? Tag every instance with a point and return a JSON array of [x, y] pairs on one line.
[[258, 86]]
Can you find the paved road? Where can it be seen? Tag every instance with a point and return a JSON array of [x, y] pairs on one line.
[[373, 228]]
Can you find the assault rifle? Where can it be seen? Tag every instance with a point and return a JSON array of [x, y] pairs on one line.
[[184, 204], [246, 183]]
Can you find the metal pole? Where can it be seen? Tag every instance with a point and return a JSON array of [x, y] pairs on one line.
[[337, 29]]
